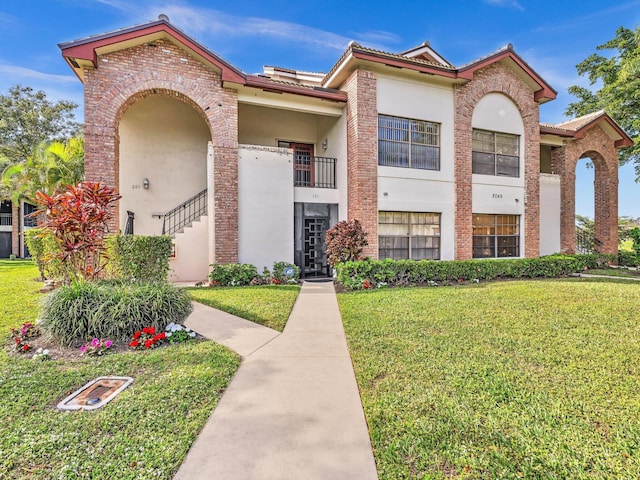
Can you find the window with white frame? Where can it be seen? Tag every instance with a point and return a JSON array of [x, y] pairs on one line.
[[496, 235], [409, 235], [495, 153], [409, 143]]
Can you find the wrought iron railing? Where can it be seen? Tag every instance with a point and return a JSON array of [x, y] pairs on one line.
[[314, 172], [128, 229], [586, 241], [5, 220], [185, 214]]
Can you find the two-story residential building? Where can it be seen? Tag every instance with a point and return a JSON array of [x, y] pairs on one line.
[[14, 221], [436, 161]]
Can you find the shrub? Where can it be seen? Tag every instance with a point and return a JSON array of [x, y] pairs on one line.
[[280, 269], [398, 273], [634, 234], [44, 249], [628, 259], [85, 310], [232, 274], [345, 242], [78, 219], [139, 258]]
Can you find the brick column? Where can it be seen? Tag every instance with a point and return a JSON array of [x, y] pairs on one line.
[[362, 155], [224, 132], [15, 227], [567, 199], [532, 183]]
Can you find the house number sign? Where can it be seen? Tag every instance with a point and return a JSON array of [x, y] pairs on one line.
[[497, 195]]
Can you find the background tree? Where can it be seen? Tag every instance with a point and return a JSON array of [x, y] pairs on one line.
[[28, 118], [619, 78]]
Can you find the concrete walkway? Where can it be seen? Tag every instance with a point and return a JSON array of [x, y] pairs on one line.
[[293, 410]]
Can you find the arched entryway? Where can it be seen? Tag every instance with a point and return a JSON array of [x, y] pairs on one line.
[[596, 146]]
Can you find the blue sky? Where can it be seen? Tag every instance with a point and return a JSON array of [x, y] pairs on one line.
[[552, 36]]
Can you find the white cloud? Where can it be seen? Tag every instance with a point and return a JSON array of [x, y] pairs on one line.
[[216, 23], [588, 19], [18, 74], [505, 3]]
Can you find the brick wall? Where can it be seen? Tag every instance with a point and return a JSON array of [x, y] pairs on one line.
[[15, 226], [499, 79], [599, 147], [362, 155], [122, 78]]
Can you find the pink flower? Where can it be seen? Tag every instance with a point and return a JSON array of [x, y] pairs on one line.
[[95, 342], [83, 349], [108, 344]]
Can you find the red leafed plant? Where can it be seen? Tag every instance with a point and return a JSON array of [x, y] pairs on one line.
[[78, 218], [345, 242]]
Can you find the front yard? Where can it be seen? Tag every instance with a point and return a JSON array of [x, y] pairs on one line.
[[519, 379], [144, 433]]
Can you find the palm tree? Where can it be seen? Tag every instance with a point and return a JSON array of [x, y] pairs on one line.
[[51, 166]]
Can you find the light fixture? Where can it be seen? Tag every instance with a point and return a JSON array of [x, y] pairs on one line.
[[325, 144], [145, 184]]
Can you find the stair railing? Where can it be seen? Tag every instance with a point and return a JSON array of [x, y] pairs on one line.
[[185, 214]]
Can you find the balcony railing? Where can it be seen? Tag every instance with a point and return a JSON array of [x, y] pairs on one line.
[[5, 220], [314, 172]]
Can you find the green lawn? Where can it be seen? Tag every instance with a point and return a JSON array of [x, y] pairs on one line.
[[615, 272], [268, 305], [523, 379], [144, 433]]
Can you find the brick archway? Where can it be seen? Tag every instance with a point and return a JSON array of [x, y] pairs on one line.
[[127, 76], [600, 149], [495, 78]]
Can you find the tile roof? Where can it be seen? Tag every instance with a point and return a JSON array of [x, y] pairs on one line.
[[579, 122], [505, 48]]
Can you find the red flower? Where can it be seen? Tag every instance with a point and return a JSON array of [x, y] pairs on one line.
[[159, 336], [134, 343], [137, 335], [148, 343], [149, 330], [18, 340], [25, 347]]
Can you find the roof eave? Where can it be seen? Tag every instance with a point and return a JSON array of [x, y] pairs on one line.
[[86, 49], [316, 92], [545, 93], [624, 141]]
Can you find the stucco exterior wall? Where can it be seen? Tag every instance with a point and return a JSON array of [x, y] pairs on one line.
[[411, 189], [490, 193], [265, 216], [165, 141], [549, 214]]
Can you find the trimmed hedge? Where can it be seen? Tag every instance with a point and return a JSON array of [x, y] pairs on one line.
[[628, 259], [232, 274], [138, 258], [399, 273], [111, 310]]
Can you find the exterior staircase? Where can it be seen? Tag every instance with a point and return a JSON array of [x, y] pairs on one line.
[[182, 216], [188, 225]]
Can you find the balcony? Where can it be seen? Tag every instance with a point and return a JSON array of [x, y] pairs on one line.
[[314, 172]]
